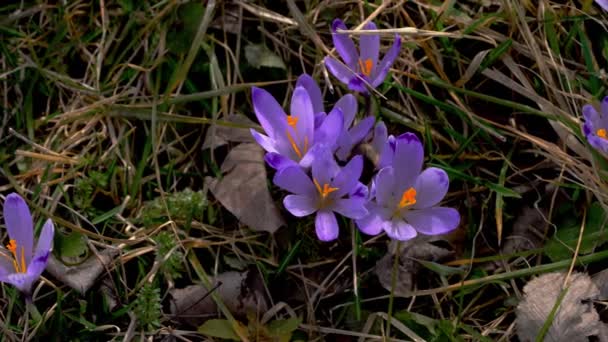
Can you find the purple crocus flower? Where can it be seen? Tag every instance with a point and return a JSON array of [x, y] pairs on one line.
[[595, 127], [363, 66], [293, 139], [603, 4], [20, 263], [332, 189], [406, 198], [349, 137]]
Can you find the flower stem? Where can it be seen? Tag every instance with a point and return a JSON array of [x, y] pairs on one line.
[[33, 311], [391, 297]]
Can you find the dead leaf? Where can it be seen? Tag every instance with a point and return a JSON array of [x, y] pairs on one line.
[[575, 317], [82, 276], [600, 280], [528, 231], [239, 291], [244, 190], [421, 248], [224, 134], [258, 55]]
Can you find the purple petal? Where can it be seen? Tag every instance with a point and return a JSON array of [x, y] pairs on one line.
[[344, 45], [299, 205], [369, 46], [43, 249], [372, 223], [347, 179], [397, 229], [387, 153], [319, 118], [294, 180], [353, 208], [384, 186], [433, 221], [324, 168], [360, 190], [431, 186], [361, 130], [22, 281], [357, 84], [269, 113], [326, 226], [301, 108], [311, 86], [19, 224], [380, 137], [339, 70], [348, 105], [267, 143], [278, 161], [408, 159], [310, 156], [598, 143], [330, 129], [603, 4], [591, 116], [6, 265], [387, 62]]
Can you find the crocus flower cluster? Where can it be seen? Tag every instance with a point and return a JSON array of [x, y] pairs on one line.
[[20, 263], [595, 127], [303, 146]]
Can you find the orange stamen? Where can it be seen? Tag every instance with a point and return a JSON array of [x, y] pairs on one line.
[[408, 198], [292, 121], [366, 66], [19, 265], [325, 191], [294, 146], [601, 133]]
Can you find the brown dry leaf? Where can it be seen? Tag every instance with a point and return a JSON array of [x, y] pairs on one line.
[[420, 248], [576, 317], [224, 134], [82, 276], [240, 291], [244, 190]]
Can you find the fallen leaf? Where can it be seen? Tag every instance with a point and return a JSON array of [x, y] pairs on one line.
[[220, 328], [244, 190], [258, 55], [224, 134], [575, 317], [239, 291], [82, 276], [419, 248], [528, 231]]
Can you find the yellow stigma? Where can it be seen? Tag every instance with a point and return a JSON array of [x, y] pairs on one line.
[[292, 121], [601, 133], [366, 66], [325, 190], [408, 198], [18, 263]]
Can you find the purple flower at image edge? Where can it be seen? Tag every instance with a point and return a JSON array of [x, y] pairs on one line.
[[603, 4], [361, 66], [293, 139], [20, 264], [405, 198], [595, 127], [331, 190]]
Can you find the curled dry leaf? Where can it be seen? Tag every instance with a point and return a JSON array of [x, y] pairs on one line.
[[576, 317], [241, 292], [528, 231], [419, 248], [82, 276], [224, 134], [244, 190]]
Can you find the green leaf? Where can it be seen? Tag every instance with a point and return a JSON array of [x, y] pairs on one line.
[[562, 245], [283, 327], [441, 269], [220, 328], [258, 55], [181, 35], [72, 245]]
